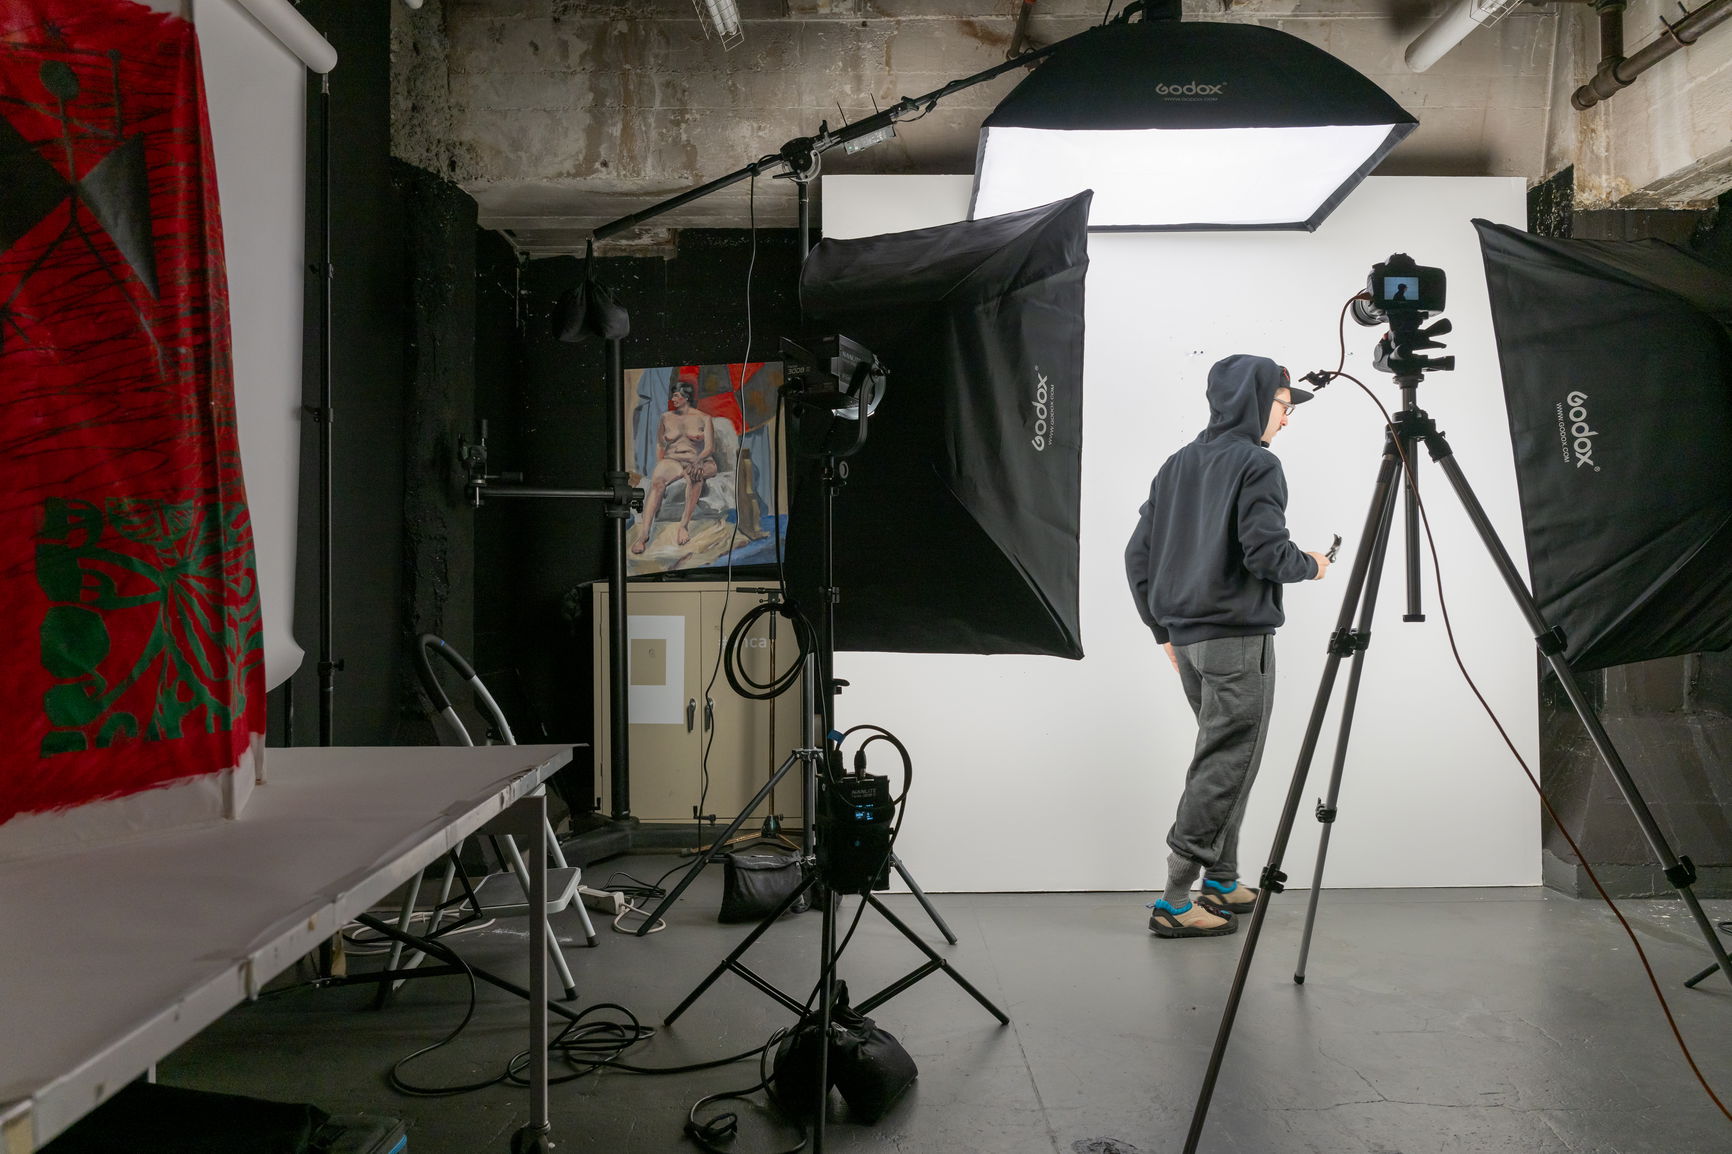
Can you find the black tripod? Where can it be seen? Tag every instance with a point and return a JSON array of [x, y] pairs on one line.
[[1408, 430], [819, 782]]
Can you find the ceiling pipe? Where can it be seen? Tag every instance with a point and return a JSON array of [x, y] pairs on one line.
[[1019, 41], [1452, 28], [1617, 71]]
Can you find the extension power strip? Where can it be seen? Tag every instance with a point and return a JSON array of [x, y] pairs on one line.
[[609, 902]]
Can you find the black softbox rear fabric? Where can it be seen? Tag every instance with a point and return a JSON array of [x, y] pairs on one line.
[[957, 529], [1617, 371]]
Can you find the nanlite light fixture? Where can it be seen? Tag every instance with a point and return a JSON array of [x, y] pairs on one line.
[[1187, 126]]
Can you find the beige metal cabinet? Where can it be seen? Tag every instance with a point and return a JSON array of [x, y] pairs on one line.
[[675, 636]]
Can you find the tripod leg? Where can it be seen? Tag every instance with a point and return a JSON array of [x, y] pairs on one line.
[[717, 844], [826, 1003], [1326, 809], [1679, 871], [1342, 641], [920, 896], [1696, 980], [731, 962], [933, 962]]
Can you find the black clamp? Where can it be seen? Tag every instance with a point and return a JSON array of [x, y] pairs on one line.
[[1551, 642], [1325, 813], [1683, 874], [1272, 879], [1347, 642], [802, 156], [624, 498]]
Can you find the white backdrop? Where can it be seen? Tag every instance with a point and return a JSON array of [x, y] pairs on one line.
[[1042, 774]]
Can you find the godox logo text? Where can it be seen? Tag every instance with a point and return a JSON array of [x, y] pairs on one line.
[[1191, 89], [1581, 431], [1040, 415]]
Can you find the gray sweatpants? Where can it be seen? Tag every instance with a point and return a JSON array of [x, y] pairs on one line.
[[1230, 682]]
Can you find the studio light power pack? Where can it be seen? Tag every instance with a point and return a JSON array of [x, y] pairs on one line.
[[856, 820]]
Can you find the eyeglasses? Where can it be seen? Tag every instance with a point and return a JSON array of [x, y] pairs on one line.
[[1286, 408]]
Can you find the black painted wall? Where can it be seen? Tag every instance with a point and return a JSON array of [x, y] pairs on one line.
[[547, 420], [401, 349], [434, 325]]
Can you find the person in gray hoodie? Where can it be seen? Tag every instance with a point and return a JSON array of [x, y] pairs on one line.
[[1206, 565]]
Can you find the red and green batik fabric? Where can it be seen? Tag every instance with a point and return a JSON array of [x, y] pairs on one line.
[[129, 617]]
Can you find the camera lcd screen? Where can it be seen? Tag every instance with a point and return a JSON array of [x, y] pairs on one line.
[[1400, 288]]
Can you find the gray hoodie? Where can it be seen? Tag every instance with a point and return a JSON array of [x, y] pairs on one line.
[[1211, 550]]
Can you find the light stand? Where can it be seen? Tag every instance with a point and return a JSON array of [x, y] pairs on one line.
[[819, 786], [818, 683], [1410, 428]]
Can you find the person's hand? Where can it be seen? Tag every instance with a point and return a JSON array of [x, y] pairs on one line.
[[1171, 656], [1322, 560]]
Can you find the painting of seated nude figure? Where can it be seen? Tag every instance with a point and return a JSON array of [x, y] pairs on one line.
[[703, 446]]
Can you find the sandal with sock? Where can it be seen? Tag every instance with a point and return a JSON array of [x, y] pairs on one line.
[[1235, 897], [1191, 920]]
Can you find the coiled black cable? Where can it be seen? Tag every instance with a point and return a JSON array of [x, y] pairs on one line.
[[805, 639]]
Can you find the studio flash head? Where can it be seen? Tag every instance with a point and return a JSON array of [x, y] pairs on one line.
[[830, 380]]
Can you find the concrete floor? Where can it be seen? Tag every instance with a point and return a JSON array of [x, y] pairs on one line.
[[1431, 1021]]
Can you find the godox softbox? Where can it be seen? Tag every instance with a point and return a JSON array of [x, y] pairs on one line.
[[957, 529], [1617, 371]]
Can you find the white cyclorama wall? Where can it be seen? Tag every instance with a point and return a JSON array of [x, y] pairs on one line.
[[255, 91], [1037, 773]]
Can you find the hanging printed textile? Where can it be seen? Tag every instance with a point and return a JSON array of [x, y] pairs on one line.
[[130, 628]]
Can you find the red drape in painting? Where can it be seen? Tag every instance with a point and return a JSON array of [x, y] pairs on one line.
[[131, 629], [719, 402]]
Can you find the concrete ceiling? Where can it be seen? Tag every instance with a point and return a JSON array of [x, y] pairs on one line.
[[562, 115]]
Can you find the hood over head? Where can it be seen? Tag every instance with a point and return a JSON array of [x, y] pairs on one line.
[[1241, 390]]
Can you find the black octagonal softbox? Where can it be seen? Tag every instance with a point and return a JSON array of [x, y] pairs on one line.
[[957, 529], [1617, 370]]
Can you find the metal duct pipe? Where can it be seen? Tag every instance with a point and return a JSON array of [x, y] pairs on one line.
[[1019, 38], [1611, 31], [1452, 28], [1617, 71]]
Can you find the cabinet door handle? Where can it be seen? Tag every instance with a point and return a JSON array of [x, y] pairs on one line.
[[709, 714], [691, 713]]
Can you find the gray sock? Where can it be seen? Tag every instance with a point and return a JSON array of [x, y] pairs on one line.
[[1181, 872]]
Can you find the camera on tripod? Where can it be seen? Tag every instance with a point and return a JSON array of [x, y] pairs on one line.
[[1403, 294]]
